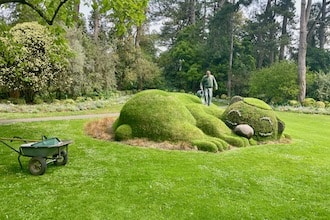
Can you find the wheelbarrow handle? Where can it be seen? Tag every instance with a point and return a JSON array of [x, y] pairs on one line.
[[10, 147], [16, 138]]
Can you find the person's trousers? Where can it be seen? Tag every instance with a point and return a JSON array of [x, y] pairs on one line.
[[208, 94]]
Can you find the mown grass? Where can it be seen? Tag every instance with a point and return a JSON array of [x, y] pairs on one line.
[[107, 180]]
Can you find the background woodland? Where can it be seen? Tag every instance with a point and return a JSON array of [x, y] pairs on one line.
[[266, 49]]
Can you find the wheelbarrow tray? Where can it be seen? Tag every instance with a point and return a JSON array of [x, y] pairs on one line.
[[44, 148]]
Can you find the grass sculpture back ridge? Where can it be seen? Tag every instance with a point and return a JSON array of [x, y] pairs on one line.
[[168, 116]]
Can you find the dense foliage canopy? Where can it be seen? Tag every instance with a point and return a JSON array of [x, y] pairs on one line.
[[136, 45]]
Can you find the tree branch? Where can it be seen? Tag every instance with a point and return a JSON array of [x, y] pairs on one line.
[[11, 1], [38, 10], [57, 9]]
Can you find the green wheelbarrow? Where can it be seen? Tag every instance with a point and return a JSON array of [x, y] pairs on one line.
[[48, 150]]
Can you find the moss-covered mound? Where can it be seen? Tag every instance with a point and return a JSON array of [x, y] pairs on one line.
[[255, 113], [167, 116]]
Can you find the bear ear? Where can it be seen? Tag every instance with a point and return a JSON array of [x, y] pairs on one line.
[[281, 126], [236, 99]]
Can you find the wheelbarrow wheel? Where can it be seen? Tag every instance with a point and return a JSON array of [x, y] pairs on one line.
[[37, 166], [61, 159]]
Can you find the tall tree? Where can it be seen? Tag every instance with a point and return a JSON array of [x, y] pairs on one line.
[[317, 56], [264, 32], [286, 10], [304, 17], [317, 27], [232, 30], [268, 38], [122, 15], [177, 15], [322, 33]]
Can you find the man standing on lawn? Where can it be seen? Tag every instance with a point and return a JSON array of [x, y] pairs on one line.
[[207, 84]]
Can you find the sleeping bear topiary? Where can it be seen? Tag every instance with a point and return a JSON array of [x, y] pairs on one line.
[[170, 116]]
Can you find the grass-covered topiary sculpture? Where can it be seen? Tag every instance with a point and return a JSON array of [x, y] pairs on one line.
[[167, 116]]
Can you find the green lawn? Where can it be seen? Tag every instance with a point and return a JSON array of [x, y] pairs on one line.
[[105, 180]]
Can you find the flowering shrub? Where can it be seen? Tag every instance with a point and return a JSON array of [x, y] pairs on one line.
[[32, 60]]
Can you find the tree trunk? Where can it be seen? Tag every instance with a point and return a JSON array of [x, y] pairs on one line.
[[96, 19], [284, 37], [304, 16], [261, 53], [192, 15], [77, 11], [231, 52], [322, 35], [204, 16], [271, 19], [140, 31], [96, 22], [14, 94]]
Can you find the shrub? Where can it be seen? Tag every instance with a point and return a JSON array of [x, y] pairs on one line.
[[80, 99], [308, 102], [224, 96], [294, 103], [323, 86], [69, 101], [38, 100], [320, 104], [56, 101], [33, 60], [327, 104], [17, 101], [276, 84]]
